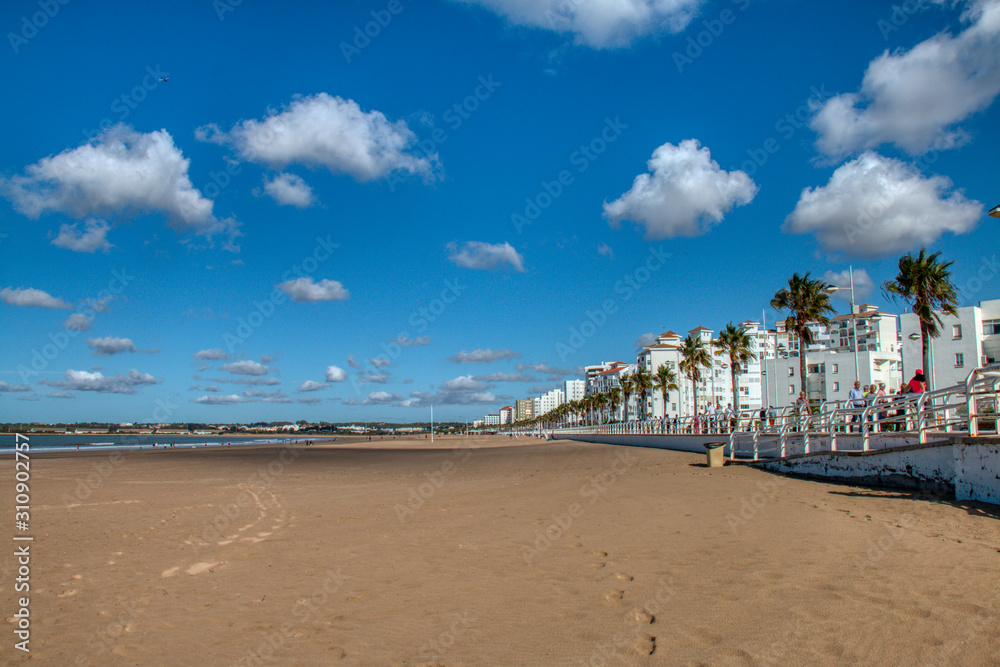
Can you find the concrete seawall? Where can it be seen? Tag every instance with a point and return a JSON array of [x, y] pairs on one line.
[[968, 468]]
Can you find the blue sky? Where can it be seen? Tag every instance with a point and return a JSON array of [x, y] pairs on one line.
[[465, 205]]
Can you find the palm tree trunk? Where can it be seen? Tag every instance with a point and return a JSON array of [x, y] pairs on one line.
[[925, 340], [736, 388], [802, 367]]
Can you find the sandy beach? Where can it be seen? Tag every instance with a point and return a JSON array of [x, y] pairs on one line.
[[491, 552]]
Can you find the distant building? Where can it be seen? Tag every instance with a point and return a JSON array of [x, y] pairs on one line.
[[507, 415], [491, 420], [574, 390], [524, 409]]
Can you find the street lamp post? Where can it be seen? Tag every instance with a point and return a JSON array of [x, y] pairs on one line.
[[995, 211], [854, 324]]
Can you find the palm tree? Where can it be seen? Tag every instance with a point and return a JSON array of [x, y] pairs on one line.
[[601, 402], [665, 381], [643, 384], [694, 357], [926, 283], [628, 386], [737, 344], [614, 399], [807, 301]]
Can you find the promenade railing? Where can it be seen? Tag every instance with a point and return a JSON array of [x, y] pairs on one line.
[[970, 407]]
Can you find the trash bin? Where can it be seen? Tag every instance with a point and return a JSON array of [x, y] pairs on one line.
[[715, 450]]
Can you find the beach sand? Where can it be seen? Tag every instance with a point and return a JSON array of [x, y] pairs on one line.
[[492, 552]]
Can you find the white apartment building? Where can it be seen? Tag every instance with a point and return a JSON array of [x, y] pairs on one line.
[[969, 340], [574, 390], [549, 401], [831, 359], [507, 414], [605, 377], [491, 420]]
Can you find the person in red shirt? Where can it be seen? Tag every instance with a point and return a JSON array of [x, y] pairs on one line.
[[918, 383]]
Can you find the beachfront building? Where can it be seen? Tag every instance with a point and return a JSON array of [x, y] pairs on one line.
[[507, 415], [549, 401], [831, 359], [606, 376], [969, 340], [491, 420], [524, 409], [666, 350], [574, 390]]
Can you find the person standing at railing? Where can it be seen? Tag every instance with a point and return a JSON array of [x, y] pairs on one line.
[[802, 407], [870, 395], [730, 417], [880, 399], [856, 401], [918, 384]]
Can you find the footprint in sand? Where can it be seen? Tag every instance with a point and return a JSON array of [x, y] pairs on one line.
[[614, 596], [643, 616], [198, 568], [624, 577], [646, 645], [69, 593]]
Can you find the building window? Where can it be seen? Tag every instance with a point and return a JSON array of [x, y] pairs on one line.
[[836, 386], [791, 371], [956, 331], [959, 360], [791, 390], [835, 368]]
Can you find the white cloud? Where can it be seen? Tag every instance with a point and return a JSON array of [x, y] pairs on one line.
[[644, 340], [686, 193], [78, 322], [105, 347], [245, 367], [404, 341], [864, 286], [505, 377], [312, 385], [98, 382], [376, 398], [380, 362], [311, 400], [479, 255], [352, 361], [598, 23], [551, 372], [255, 381], [914, 98], [289, 190], [4, 387], [371, 376], [98, 305], [267, 396], [605, 250], [213, 354], [93, 237], [875, 206], [483, 356], [60, 394], [326, 131], [31, 297], [463, 383], [304, 290], [120, 171], [223, 399], [335, 374]]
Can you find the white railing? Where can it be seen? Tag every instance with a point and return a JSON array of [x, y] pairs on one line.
[[970, 407]]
